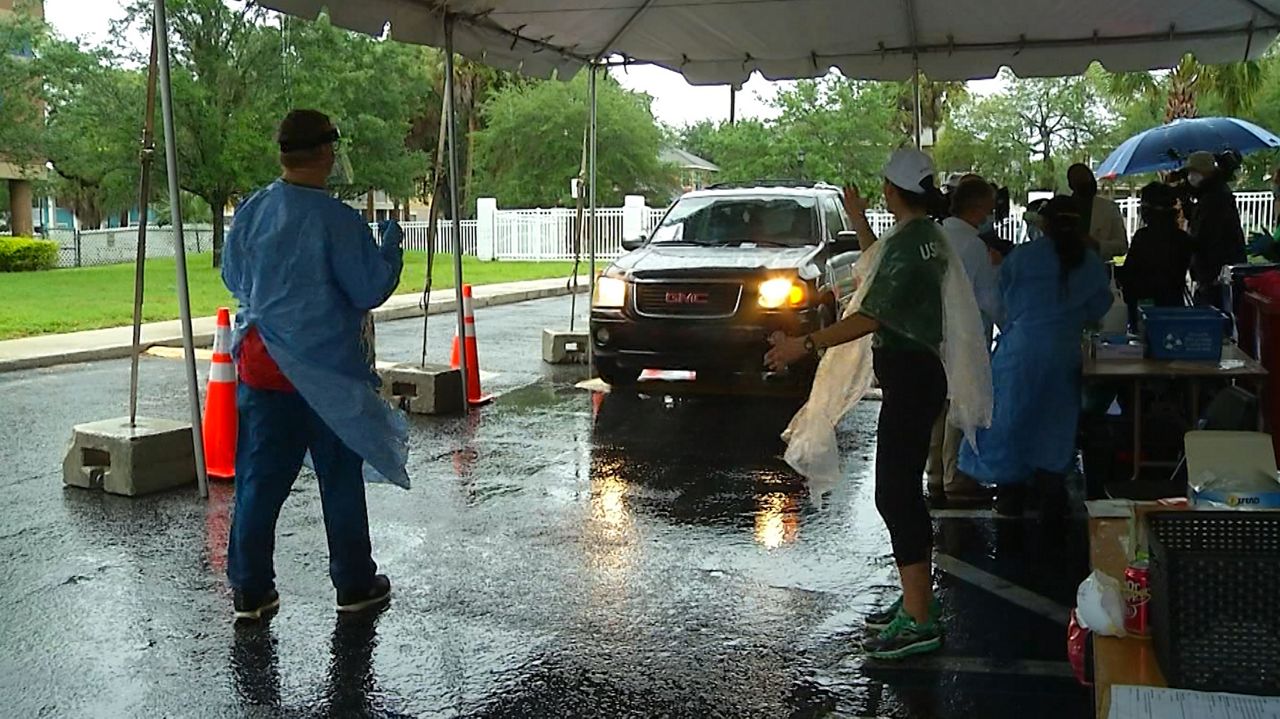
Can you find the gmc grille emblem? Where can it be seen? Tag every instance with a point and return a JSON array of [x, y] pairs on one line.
[[688, 298]]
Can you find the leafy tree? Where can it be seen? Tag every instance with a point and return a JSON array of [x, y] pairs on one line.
[[373, 90], [832, 129], [531, 145], [226, 76], [92, 138], [1026, 135]]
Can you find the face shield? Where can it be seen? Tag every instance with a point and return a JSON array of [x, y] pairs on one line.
[[340, 175]]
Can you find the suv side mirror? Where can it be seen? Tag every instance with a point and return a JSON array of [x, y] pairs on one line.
[[635, 243], [846, 241]]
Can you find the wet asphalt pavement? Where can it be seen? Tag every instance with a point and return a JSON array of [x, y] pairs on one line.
[[562, 554]]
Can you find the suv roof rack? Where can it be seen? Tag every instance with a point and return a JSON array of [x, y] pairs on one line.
[[748, 184]]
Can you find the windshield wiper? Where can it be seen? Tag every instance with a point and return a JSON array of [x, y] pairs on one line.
[[762, 243], [696, 243]]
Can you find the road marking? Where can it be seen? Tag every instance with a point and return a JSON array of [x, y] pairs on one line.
[[1006, 590], [977, 665], [204, 355], [969, 514]]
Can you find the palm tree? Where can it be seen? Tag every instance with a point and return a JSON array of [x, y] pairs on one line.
[[1235, 84], [937, 100]]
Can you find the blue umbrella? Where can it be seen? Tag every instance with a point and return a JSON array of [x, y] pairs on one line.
[[1167, 147]]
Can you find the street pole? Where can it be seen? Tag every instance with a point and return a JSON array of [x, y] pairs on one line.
[[591, 202], [918, 118], [161, 30], [451, 120], [146, 157]]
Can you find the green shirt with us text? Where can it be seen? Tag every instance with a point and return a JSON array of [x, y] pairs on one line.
[[905, 296]]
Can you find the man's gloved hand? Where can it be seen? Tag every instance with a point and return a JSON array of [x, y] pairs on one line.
[[390, 232]]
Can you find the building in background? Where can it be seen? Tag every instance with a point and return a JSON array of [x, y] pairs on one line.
[[381, 207], [19, 178], [693, 172]]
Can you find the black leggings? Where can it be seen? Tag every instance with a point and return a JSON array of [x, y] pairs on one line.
[[914, 388]]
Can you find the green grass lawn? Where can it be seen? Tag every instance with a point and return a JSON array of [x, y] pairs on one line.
[[35, 303]]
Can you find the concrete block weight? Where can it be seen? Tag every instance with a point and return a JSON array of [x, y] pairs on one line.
[[153, 456], [560, 347], [433, 389]]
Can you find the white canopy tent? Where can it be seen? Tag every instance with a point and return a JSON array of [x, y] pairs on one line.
[[725, 41]]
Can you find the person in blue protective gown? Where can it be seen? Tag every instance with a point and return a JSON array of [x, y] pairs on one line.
[[306, 271], [1052, 289]]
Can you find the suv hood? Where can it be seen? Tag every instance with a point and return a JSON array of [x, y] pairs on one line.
[[677, 260]]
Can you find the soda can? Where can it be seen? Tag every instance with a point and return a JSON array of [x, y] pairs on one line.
[[1137, 598]]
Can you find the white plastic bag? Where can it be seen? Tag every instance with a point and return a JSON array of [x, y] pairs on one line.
[[966, 354], [844, 376], [1100, 605]]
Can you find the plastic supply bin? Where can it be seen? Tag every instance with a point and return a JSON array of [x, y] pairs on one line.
[[1184, 333]]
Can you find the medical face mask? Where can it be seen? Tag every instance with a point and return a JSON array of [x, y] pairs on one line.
[[988, 225], [1195, 178]]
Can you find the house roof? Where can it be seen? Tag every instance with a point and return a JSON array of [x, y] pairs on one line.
[[686, 160]]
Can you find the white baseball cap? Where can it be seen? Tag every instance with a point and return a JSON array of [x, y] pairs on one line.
[[907, 168]]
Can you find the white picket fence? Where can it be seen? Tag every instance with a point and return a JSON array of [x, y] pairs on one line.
[[416, 234], [534, 235]]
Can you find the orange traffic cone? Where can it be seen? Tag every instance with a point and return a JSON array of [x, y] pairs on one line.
[[474, 395], [220, 404]]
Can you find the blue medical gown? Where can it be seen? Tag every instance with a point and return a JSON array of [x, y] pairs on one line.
[[306, 270], [1036, 365]]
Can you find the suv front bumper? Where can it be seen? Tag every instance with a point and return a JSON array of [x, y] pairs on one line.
[[737, 344]]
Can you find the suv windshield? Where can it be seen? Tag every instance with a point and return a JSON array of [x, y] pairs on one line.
[[728, 220]]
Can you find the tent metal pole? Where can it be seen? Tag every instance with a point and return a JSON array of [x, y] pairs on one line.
[[591, 201], [454, 208], [161, 30], [733, 104]]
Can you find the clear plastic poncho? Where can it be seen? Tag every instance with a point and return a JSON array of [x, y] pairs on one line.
[[845, 373]]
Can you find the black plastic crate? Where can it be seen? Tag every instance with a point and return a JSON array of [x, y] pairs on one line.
[[1215, 599]]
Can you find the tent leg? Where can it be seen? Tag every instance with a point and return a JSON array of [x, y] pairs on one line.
[[451, 124], [161, 30], [591, 203]]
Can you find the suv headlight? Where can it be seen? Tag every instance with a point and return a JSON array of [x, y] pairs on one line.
[[781, 292], [611, 293]]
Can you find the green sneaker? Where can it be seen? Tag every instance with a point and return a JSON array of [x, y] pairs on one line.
[[880, 620], [905, 637]]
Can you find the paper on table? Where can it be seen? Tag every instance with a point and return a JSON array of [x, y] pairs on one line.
[[1131, 702]]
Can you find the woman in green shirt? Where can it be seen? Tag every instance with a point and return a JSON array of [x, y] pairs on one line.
[[902, 309]]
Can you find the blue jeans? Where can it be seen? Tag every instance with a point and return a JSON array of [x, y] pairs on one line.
[[276, 430]]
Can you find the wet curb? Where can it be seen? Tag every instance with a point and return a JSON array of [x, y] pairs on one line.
[[400, 308]]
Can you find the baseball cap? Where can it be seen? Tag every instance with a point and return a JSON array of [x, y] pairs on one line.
[[304, 130], [907, 168], [1201, 162]]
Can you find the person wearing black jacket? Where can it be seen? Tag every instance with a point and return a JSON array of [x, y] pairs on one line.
[[1155, 270], [1215, 227]]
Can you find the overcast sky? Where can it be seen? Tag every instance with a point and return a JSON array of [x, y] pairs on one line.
[[676, 103]]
